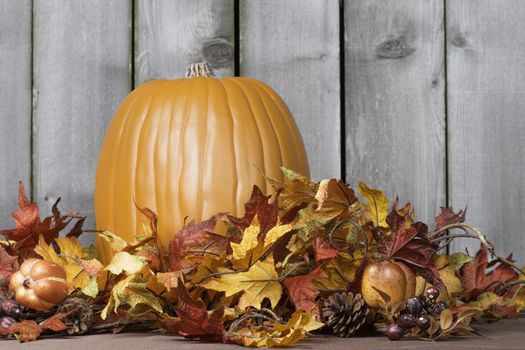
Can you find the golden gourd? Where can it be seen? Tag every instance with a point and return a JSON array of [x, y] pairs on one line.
[[190, 148]]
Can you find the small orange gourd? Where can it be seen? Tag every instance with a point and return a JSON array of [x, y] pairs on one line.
[[39, 284], [190, 148]]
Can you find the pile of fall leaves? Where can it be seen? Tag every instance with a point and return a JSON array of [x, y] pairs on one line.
[[263, 280]]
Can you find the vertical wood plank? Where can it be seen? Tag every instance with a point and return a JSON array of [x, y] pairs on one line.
[[395, 120], [15, 103], [81, 75], [293, 46], [486, 104], [172, 34]]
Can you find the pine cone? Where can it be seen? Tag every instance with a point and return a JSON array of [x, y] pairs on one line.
[[80, 318], [344, 313]]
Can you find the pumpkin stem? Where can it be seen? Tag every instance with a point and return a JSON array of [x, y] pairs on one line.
[[200, 69]]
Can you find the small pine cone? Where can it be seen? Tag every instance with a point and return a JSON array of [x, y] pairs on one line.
[[80, 318], [344, 313]]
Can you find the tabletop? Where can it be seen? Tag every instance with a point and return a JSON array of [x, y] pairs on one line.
[[507, 334]]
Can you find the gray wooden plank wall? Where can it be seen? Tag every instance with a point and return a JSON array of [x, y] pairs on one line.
[[421, 98]]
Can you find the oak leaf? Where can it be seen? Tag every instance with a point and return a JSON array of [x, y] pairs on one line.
[[24, 331], [448, 217], [259, 282]]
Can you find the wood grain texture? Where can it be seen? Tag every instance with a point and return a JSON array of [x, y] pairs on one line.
[[172, 34], [486, 104], [293, 46], [395, 121], [15, 103], [81, 75]]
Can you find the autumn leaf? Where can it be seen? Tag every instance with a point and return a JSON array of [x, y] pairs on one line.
[[193, 321], [477, 278], [259, 282], [275, 334], [76, 276], [8, 265], [54, 323], [303, 292], [259, 206], [448, 217], [24, 331], [125, 262], [170, 280], [377, 204], [334, 198], [195, 238], [323, 249], [295, 191], [132, 291], [29, 227]]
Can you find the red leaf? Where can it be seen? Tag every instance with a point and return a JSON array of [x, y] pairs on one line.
[[54, 323], [302, 292], [8, 264], [476, 280], [448, 217], [323, 250], [258, 205], [27, 330], [28, 226], [195, 237], [194, 322]]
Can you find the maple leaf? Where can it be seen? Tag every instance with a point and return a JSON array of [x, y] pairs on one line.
[[448, 217], [477, 280], [259, 206], [70, 261], [323, 249], [195, 237], [303, 292], [275, 334], [409, 243], [259, 282], [194, 320], [295, 191], [8, 265], [132, 291], [377, 204], [24, 331], [54, 323], [29, 227], [125, 262], [170, 280], [334, 198]]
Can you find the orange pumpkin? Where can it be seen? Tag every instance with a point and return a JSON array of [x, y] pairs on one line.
[[39, 284], [394, 278], [190, 148]]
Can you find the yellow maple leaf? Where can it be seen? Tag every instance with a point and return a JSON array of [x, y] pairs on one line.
[[377, 204], [132, 291], [123, 261], [259, 282], [275, 334], [76, 276]]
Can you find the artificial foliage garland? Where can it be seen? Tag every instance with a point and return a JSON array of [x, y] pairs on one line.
[[293, 264]]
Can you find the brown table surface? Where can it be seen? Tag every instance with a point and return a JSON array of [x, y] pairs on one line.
[[507, 334]]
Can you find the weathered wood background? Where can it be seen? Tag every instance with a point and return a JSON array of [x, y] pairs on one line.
[[424, 98]]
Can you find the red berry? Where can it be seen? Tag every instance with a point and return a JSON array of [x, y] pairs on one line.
[[394, 332]]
